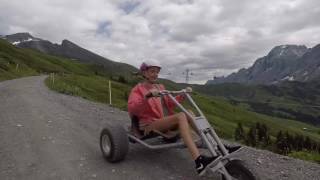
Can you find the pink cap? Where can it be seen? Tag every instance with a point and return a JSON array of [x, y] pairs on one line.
[[144, 66]]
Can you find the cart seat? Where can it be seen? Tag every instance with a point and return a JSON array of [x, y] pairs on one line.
[[170, 136]]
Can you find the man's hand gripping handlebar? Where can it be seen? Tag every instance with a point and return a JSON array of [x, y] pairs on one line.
[[157, 93]]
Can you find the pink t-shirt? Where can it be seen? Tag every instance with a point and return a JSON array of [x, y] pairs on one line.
[[149, 109]]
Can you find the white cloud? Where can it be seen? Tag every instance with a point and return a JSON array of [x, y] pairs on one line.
[[210, 37]]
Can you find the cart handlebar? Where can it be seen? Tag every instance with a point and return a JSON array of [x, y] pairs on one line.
[[166, 92], [182, 91]]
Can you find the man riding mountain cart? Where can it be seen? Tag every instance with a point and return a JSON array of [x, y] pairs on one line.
[[151, 109]]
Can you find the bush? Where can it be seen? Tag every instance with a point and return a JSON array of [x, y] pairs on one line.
[[121, 79]]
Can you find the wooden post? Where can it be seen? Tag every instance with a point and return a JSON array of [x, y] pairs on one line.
[[110, 102], [17, 67], [53, 78]]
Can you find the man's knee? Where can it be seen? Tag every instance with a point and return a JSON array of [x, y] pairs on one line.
[[182, 116]]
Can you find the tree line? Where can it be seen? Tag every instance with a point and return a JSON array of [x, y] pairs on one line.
[[284, 143]]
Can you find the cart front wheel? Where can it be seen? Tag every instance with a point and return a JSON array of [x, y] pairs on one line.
[[114, 143]]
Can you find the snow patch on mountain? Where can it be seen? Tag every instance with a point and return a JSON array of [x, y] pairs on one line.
[[288, 78], [18, 42], [283, 47]]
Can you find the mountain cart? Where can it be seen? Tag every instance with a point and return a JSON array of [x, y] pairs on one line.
[[115, 139]]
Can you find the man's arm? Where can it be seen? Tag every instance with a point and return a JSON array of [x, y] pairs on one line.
[[136, 101]]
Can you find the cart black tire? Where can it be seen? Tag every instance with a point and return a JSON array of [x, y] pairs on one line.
[[238, 170], [114, 143]]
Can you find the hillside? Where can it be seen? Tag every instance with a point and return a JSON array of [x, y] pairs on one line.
[[69, 50], [292, 100], [91, 82], [16, 62], [274, 100]]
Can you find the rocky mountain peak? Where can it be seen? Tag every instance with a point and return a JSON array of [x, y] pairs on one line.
[[17, 38], [67, 43], [282, 63], [284, 51]]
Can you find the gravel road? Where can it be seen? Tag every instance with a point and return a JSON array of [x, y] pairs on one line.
[[46, 135]]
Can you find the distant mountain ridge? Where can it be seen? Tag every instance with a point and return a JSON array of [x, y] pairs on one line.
[[18, 38], [282, 63], [270, 100], [67, 49]]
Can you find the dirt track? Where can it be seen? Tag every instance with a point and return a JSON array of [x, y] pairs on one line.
[[46, 135]]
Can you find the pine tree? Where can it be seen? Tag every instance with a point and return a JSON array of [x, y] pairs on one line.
[[287, 143], [239, 133], [307, 143], [290, 141], [252, 137], [267, 140], [295, 142], [281, 143], [259, 132], [121, 79], [313, 145], [300, 142], [265, 135]]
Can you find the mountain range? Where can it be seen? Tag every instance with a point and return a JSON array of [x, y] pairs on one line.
[[67, 49], [282, 63], [283, 84]]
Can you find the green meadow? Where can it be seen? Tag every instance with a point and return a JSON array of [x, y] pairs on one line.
[[92, 82]]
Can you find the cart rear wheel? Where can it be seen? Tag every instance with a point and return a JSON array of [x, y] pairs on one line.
[[114, 143], [238, 170]]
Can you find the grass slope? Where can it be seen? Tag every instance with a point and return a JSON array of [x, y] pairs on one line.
[[91, 82], [290, 100]]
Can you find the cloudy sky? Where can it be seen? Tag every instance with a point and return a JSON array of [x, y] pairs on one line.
[[209, 37]]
